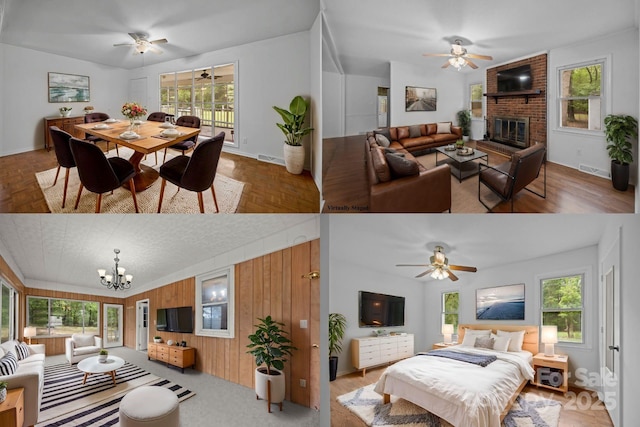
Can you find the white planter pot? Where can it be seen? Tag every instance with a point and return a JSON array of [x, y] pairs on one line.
[[65, 113], [102, 358], [465, 138], [294, 158], [277, 385]]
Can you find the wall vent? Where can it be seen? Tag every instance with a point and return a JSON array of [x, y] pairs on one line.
[[270, 159], [594, 171]]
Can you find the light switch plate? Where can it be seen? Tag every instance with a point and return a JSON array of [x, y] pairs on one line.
[[303, 324]]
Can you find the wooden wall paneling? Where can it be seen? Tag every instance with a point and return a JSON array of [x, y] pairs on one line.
[[257, 286], [275, 282], [286, 310], [266, 285], [247, 320], [300, 295], [314, 329], [10, 277]]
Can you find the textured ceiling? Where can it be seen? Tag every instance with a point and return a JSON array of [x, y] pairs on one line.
[[367, 38], [69, 249], [88, 29]]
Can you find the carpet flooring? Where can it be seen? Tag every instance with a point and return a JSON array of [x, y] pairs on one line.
[[228, 193], [528, 410], [67, 402]]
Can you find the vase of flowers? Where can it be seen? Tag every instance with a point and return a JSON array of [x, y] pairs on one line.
[[65, 111], [133, 111], [88, 109]]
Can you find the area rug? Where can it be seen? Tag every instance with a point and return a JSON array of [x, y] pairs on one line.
[[464, 195], [528, 410], [228, 193], [67, 402]]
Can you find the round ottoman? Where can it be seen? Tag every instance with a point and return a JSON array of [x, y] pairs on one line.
[[150, 406]]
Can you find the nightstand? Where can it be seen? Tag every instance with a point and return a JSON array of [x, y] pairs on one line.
[[12, 409], [443, 345], [551, 371]]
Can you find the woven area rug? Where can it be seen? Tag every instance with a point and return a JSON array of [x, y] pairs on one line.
[[464, 195], [228, 193], [528, 410], [67, 402]]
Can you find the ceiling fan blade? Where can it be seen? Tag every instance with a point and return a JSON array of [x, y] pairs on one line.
[[452, 276], [486, 57], [424, 273], [136, 36], [159, 41], [463, 268], [413, 265], [154, 49], [471, 64], [124, 44], [446, 64], [436, 54]]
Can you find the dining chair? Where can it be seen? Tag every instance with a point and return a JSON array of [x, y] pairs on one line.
[[187, 144], [195, 173], [97, 117], [100, 174], [157, 116], [64, 156]]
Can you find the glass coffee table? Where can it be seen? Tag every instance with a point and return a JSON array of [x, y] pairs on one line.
[[92, 365], [462, 166]]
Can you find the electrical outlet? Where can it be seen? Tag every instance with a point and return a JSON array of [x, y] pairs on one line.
[[303, 383], [303, 324]]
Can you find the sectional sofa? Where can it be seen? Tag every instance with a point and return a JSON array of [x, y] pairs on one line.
[[420, 138]]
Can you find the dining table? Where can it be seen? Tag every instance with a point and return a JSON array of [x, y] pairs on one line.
[[150, 138]]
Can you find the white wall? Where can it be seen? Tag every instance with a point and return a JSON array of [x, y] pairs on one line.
[[361, 103], [573, 148], [450, 86], [23, 86], [333, 97], [315, 90]]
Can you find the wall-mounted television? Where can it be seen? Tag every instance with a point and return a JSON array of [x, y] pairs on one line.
[[178, 319], [515, 79], [380, 310]]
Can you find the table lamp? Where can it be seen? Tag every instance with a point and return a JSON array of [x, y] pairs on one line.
[[549, 338], [447, 331], [29, 331]]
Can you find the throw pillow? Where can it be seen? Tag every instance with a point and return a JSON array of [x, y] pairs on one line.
[[8, 364], [383, 131], [22, 350], [484, 342], [393, 151], [382, 140], [517, 338], [444, 127], [401, 166], [414, 131], [500, 343]]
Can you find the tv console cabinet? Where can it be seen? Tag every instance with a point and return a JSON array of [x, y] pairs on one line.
[[367, 352], [181, 357]]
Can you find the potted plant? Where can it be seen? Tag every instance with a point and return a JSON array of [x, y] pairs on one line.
[[65, 111], [294, 130], [270, 347], [102, 356], [464, 121], [460, 143], [3, 390], [337, 325], [157, 339], [619, 131]]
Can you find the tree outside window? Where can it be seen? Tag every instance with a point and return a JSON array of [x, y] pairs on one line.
[[475, 97], [52, 316], [580, 97], [450, 303], [563, 305]]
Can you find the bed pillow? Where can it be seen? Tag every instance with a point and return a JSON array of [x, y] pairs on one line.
[[517, 338], [484, 342], [500, 343], [8, 364]]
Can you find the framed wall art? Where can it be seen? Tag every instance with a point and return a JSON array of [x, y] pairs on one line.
[[68, 88], [500, 303], [420, 98]]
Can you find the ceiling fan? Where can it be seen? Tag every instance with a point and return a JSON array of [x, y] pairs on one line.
[[206, 76], [459, 57], [142, 43], [439, 266]]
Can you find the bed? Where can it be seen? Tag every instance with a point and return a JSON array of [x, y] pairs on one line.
[[464, 394]]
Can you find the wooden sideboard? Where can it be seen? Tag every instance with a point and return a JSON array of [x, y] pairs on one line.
[[182, 357], [67, 124], [372, 351]]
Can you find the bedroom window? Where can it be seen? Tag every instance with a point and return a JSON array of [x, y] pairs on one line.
[[563, 306], [581, 91], [214, 303], [450, 304]]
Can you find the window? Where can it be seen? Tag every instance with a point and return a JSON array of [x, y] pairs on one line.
[[8, 303], [581, 96], [52, 316], [450, 302], [475, 97], [563, 306], [214, 303]]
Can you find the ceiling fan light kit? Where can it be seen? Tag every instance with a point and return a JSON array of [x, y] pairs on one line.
[[439, 267], [459, 57], [142, 44]]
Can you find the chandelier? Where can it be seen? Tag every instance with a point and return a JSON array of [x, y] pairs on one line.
[[117, 279]]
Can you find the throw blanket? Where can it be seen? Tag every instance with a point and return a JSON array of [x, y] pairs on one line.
[[476, 359]]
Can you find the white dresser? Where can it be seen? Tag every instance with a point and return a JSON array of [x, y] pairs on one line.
[[373, 351]]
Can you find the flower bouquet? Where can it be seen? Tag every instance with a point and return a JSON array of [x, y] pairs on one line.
[[88, 109], [65, 111], [133, 111]]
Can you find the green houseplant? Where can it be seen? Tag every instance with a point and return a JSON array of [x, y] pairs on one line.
[[464, 121], [294, 130], [3, 390], [337, 325], [270, 346], [102, 356], [619, 131]]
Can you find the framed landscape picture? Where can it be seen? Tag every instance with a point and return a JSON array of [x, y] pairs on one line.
[[420, 98], [68, 88], [500, 303]]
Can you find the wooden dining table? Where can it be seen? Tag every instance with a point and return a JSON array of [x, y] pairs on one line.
[[149, 141]]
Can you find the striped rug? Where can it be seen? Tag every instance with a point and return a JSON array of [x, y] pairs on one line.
[[67, 402]]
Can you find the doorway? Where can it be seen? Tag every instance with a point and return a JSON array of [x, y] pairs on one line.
[[383, 107], [142, 324], [112, 325]]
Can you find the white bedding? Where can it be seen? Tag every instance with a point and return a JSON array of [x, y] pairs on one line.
[[462, 393]]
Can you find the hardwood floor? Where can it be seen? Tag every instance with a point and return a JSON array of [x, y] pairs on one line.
[[269, 188], [592, 415], [568, 190]]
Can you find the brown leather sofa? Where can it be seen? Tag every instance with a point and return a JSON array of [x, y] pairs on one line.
[[419, 138], [427, 191]]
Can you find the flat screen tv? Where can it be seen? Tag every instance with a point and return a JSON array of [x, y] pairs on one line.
[[515, 79], [380, 310], [179, 319]]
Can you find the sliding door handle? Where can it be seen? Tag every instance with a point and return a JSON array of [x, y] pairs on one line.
[[614, 347]]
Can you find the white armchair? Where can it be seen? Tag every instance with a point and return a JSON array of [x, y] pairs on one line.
[[81, 346]]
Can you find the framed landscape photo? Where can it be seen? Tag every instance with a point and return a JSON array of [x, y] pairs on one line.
[[500, 303], [68, 88], [420, 98]]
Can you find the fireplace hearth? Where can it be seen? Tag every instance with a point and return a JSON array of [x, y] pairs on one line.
[[511, 131]]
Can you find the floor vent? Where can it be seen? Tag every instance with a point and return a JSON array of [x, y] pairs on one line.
[[271, 159], [594, 171]]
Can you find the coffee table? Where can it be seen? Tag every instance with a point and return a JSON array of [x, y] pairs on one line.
[[462, 167], [91, 365]]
